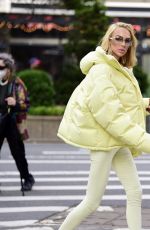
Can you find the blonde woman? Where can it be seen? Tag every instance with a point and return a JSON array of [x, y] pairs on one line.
[[106, 114]]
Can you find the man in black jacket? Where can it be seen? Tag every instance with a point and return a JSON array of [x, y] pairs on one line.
[[9, 106]]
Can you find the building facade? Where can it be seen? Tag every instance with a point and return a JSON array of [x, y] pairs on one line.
[[38, 28]]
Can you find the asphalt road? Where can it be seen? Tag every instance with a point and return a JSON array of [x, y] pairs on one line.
[[61, 173]]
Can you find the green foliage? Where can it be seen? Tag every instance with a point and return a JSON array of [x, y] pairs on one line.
[[40, 86], [72, 4], [142, 78], [71, 77], [47, 110], [89, 25]]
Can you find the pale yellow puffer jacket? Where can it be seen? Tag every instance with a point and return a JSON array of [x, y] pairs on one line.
[[106, 110]]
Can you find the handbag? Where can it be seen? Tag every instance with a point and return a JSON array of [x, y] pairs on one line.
[[22, 125]]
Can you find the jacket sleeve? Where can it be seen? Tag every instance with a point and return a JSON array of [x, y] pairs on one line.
[[146, 102], [22, 97], [108, 111]]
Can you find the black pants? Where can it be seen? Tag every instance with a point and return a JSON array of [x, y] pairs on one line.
[[9, 130]]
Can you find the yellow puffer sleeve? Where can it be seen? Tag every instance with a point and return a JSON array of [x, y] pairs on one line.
[[146, 102], [108, 111]]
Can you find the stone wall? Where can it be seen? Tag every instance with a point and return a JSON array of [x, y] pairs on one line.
[[43, 128]]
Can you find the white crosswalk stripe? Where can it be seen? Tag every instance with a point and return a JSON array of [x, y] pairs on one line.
[[54, 173], [41, 161], [59, 198], [17, 223], [32, 209], [55, 190], [65, 179], [65, 187]]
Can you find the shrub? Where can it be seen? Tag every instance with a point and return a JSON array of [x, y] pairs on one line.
[[46, 110], [142, 78], [40, 86], [70, 78]]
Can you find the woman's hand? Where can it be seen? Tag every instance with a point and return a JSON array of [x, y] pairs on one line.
[[11, 101], [148, 108]]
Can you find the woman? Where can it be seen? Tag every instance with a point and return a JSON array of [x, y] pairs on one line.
[[12, 103], [106, 114]]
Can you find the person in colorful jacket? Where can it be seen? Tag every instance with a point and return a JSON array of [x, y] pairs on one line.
[[106, 115], [13, 103]]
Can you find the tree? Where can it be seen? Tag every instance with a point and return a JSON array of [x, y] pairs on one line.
[[142, 78], [89, 25]]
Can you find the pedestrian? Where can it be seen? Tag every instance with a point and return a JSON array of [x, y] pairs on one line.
[[35, 63], [106, 114], [12, 104]]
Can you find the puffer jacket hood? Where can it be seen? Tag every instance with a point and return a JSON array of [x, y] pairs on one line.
[[106, 110], [99, 56], [96, 57]]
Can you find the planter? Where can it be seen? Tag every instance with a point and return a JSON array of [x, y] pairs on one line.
[[43, 128]]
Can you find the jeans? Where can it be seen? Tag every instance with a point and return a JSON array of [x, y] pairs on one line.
[[122, 162]]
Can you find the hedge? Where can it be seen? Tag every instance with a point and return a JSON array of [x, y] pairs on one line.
[[40, 86]]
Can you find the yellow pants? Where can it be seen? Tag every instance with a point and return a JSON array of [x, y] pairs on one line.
[[122, 162]]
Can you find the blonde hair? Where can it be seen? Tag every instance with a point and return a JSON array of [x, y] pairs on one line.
[[129, 59]]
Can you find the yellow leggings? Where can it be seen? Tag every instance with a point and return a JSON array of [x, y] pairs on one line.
[[122, 162]]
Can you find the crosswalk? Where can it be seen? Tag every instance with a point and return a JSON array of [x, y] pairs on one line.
[[61, 178]]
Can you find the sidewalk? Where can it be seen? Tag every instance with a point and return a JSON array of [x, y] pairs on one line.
[[105, 218]]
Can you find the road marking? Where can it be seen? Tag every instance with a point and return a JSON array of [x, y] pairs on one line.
[[36, 228], [121, 229], [59, 198], [33, 209], [82, 152], [66, 161], [67, 152], [64, 187], [18, 223], [105, 209], [54, 173], [60, 178], [29, 228], [63, 179]]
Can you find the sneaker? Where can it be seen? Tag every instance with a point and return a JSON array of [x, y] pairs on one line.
[[28, 183]]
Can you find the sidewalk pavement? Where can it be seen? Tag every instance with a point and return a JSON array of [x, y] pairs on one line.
[[105, 218]]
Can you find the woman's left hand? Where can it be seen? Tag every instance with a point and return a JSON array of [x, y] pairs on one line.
[[11, 101]]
